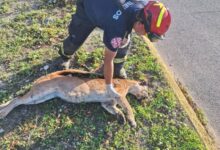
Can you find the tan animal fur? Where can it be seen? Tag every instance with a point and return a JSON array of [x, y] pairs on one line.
[[71, 86]]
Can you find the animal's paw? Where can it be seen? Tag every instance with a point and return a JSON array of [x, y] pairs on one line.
[[121, 118], [133, 123]]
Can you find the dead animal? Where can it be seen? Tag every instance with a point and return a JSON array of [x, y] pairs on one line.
[[77, 86]]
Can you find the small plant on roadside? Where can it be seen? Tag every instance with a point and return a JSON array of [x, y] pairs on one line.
[[4, 7]]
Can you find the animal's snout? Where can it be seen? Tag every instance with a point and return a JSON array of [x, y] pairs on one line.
[[142, 95]]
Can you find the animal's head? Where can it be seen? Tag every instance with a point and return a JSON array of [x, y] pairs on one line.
[[138, 90]]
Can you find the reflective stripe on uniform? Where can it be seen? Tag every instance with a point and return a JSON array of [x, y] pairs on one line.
[[62, 53], [119, 60]]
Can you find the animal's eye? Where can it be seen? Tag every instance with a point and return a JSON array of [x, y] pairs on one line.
[[143, 83]]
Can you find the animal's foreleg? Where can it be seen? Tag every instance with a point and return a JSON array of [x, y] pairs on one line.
[[123, 102], [111, 108]]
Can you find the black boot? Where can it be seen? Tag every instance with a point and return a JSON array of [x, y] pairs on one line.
[[65, 60]]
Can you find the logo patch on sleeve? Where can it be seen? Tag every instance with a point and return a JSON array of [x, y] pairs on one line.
[[116, 42]]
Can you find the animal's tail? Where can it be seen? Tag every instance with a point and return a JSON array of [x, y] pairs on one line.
[[69, 72], [79, 73], [8, 106]]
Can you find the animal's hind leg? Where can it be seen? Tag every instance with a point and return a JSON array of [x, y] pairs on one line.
[[111, 108], [32, 97], [41, 97]]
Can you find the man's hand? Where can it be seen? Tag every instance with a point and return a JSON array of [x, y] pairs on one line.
[[111, 91]]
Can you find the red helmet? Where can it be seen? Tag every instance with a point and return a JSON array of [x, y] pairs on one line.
[[158, 18]]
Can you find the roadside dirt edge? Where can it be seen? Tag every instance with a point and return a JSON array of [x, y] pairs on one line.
[[204, 135]]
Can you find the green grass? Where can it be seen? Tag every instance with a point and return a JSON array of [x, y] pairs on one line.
[[29, 41], [4, 7]]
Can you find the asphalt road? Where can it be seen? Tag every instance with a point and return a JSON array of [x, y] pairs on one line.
[[192, 52]]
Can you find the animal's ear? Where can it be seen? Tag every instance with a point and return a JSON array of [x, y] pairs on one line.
[[143, 83]]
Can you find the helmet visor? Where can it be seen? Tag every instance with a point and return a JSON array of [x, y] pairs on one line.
[[154, 37]]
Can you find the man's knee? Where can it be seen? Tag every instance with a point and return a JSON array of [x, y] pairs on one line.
[[122, 52]]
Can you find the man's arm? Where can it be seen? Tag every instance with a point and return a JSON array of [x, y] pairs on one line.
[[108, 65], [108, 73]]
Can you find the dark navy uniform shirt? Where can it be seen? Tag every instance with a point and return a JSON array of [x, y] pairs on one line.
[[116, 23]]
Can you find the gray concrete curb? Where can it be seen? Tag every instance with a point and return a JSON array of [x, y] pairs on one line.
[[204, 135]]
